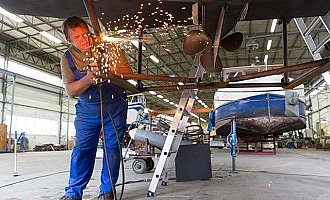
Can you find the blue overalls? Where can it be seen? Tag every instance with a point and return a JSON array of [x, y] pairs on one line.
[[88, 127]]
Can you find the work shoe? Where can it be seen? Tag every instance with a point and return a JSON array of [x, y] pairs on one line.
[[68, 198], [105, 196]]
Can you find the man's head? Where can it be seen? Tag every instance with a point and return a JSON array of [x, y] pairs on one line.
[[75, 30]]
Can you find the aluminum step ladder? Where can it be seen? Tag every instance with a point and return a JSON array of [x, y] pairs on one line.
[[313, 47], [175, 133]]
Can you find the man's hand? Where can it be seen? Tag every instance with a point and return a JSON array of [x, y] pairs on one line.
[[77, 87], [94, 74]]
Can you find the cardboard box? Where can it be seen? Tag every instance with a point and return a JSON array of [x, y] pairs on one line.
[[3, 137]]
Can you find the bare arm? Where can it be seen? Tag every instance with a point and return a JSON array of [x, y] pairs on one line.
[[76, 88]]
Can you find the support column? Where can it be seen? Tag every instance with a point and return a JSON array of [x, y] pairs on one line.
[[63, 135], [8, 92], [285, 49]]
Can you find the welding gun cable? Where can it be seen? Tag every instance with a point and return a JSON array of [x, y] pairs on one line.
[[119, 148], [105, 144]]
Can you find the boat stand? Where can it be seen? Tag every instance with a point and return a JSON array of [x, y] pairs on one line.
[[232, 143]]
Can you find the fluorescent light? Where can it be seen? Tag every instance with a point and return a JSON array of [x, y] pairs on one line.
[[203, 120], [269, 44], [176, 105], [272, 28], [171, 103], [50, 37], [154, 58], [166, 100], [136, 44], [10, 15], [266, 59], [132, 82], [205, 106], [160, 96], [152, 92], [196, 97], [180, 83], [199, 101]]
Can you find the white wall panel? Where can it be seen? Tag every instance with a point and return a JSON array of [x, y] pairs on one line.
[[36, 111]]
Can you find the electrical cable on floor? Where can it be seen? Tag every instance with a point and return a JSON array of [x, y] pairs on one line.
[[142, 180], [105, 147], [33, 178], [277, 173]]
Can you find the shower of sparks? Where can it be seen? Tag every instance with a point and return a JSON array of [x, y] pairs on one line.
[[105, 50], [131, 26], [135, 22], [105, 55]]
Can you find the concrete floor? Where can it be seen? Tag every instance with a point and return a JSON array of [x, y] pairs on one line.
[[291, 174]]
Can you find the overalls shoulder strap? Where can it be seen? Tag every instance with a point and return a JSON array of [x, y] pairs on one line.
[[70, 60]]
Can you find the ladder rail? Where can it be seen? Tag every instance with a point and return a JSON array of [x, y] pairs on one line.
[[168, 143], [326, 22], [185, 104], [321, 44], [307, 38], [176, 145], [306, 34]]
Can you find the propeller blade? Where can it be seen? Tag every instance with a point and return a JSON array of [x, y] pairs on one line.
[[232, 42], [195, 42], [207, 61]]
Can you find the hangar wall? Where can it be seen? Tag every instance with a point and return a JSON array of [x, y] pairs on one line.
[[319, 114], [36, 109]]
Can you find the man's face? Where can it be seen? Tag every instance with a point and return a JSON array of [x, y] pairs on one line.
[[78, 37]]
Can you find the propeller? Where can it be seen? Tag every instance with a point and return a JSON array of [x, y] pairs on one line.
[[232, 42], [207, 61], [196, 41]]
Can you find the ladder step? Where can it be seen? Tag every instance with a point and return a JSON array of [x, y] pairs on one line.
[[321, 44], [312, 25]]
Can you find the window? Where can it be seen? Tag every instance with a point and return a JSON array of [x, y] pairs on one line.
[[33, 126], [33, 73]]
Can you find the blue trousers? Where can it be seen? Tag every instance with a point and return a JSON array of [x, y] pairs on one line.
[[88, 127]]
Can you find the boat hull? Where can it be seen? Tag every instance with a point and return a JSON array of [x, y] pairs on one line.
[[259, 114]]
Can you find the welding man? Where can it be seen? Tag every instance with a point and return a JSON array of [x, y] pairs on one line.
[[93, 99]]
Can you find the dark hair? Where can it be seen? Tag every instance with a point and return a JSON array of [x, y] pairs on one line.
[[72, 22]]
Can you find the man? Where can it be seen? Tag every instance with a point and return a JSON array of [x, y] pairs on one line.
[[88, 123]]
